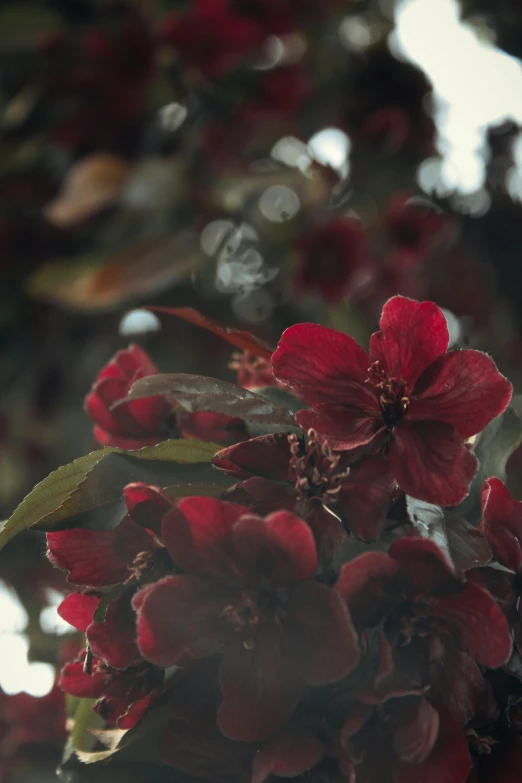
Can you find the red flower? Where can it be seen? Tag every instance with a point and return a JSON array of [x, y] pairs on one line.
[[122, 697], [247, 592], [210, 37], [433, 628], [290, 472], [134, 424], [408, 395], [129, 553], [416, 741], [330, 256], [501, 523]]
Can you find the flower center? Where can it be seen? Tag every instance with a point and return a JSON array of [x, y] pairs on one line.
[[392, 394], [149, 566], [252, 370], [482, 745], [252, 609], [419, 621], [314, 468]]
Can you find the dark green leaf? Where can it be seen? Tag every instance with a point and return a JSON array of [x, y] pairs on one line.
[[198, 393], [87, 493]]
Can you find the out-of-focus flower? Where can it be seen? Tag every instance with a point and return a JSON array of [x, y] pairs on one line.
[[329, 257]]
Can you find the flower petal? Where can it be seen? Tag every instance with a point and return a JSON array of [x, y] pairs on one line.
[[260, 687], [479, 624], [196, 532], [78, 609], [290, 752], [502, 523], [431, 463], [365, 497], [267, 456], [180, 615], [449, 760], [98, 558], [146, 504], [462, 388], [319, 364], [345, 426], [412, 335], [370, 586], [75, 681], [429, 571], [114, 638], [418, 728], [322, 633]]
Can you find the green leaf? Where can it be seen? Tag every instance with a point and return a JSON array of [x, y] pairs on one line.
[[463, 546], [49, 494], [87, 493], [85, 719]]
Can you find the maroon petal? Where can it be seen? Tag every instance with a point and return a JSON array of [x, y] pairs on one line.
[[260, 687], [428, 569], [365, 497], [147, 505], [418, 728], [205, 756], [267, 456], [431, 463], [98, 557], [97, 410], [463, 389], [78, 609], [478, 623], [322, 634], [196, 533], [180, 615], [412, 335], [328, 531], [345, 427], [76, 682], [320, 365], [114, 639], [289, 753], [370, 586], [294, 538], [502, 523], [263, 496], [279, 550], [449, 761]]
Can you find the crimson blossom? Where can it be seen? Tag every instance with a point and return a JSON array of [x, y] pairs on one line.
[[425, 626], [247, 591], [409, 398], [146, 422], [283, 471]]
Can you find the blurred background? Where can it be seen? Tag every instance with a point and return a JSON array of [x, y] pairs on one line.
[[263, 161]]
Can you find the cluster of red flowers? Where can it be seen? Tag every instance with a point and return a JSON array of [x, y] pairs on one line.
[[284, 642]]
